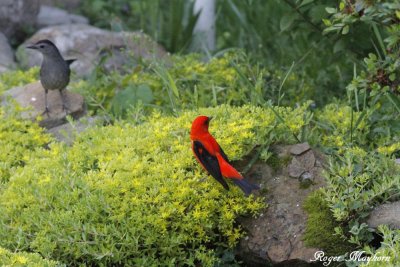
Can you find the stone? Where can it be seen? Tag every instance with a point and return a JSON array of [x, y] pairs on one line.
[[50, 16], [296, 168], [67, 132], [17, 15], [6, 54], [398, 161], [32, 96], [86, 43], [276, 236], [307, 160], [303, 161], [299, 149], [388, 214]]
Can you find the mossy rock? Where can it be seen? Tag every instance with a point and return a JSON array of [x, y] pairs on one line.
[[320, 229]]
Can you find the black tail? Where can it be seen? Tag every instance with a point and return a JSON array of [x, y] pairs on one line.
[[70, 61], [245, 186]]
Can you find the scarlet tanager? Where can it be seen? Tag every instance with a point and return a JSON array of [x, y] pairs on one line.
[[213, 159]]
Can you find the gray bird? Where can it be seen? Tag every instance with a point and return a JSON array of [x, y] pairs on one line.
[[55, 71]]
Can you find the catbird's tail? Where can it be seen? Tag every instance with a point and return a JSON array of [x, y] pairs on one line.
[[70, 61], [245, 186]]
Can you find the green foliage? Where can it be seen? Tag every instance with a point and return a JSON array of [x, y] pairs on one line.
[[191, 82], [19, 140], [11, 79], [278, 33], [134, 195], [356, 182], [20, 259], [320, 228], [359, 180]]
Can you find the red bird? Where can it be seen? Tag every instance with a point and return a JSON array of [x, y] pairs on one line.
[[213, 159]]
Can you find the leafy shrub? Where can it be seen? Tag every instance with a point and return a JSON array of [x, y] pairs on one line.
[[356, 182], [19, 140], [8, 258], [135, 195]]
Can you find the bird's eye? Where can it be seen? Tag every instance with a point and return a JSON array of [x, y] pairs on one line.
[[41, 46]]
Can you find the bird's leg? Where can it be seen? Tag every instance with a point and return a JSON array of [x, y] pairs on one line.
[[64, 100], [46, 109]]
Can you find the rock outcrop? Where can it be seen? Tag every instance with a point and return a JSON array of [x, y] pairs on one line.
[[387, 214], [31, 96], [17, 15], [51, 16], [87, 44], [275, 237]]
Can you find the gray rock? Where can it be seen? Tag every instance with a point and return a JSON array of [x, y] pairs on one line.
[[17, 15], [276, 236], [86, 43], [299, 148], [50, 16], [6, 54], [296, 168], [398, 161], [32, 96], [303, 161], [69, 5], [387, 214], [67, 132]]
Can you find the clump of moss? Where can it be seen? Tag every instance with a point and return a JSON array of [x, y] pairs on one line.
[[8, 258], [320, 229], [276, 162]]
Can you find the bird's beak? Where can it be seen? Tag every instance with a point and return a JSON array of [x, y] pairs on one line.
[[32, 47], [210, 118]]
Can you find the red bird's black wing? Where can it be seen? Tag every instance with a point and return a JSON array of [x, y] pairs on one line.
[[209, 162]]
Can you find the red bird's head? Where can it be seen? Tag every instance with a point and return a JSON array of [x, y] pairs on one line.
[[200, 125]]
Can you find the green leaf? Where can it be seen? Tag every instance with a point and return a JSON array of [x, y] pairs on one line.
[[345, 30], [305, 2], [331, 10], [327, 22], [130, 96], [172, 84], [286, 22], [340, 45]]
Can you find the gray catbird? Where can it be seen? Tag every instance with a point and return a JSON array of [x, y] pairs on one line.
[[54, 72]]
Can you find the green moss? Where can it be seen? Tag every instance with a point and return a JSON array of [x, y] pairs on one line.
[[276, 162], [320, 229], [21, 259]]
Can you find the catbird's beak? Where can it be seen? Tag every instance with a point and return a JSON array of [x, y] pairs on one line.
[[32, 47]]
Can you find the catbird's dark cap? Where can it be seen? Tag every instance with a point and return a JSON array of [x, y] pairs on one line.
[[44, 41]]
